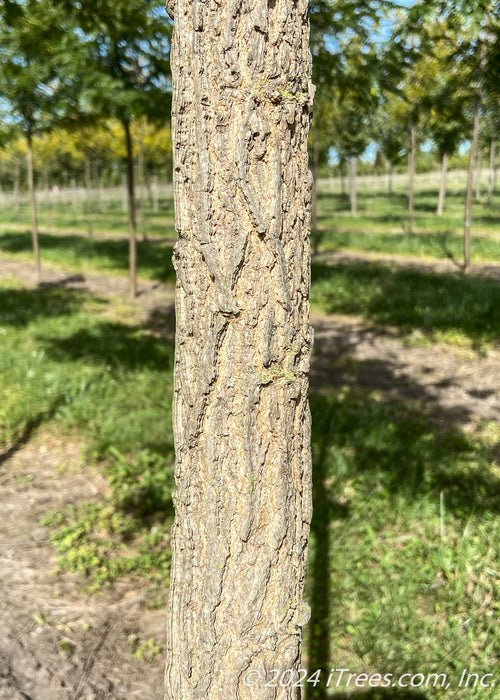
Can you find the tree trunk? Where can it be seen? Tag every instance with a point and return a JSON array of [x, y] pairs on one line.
[[241, 102], [491, 171], [156, 195], [390, 179], [132, 226], [352, 184], [124, 194], [442, 186], [468, 194], [32, 198], [342, 176], [142, 183], [88, 197], [17, 188], [411, 176], [479, 163]]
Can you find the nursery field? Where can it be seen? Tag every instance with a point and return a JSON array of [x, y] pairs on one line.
[[404, 572]]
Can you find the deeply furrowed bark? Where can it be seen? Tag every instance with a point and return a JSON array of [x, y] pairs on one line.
[[241, 104]]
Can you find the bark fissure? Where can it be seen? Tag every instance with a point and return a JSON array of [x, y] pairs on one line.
[[241, 111]]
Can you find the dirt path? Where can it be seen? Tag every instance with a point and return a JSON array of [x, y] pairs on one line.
[[58, 643], [460, 387], [487, 269]]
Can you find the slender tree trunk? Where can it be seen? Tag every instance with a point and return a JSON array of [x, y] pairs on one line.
[[390, 179], [342, 176], [32, 199], [155, 193], [314, 193], [142, 183], [17, 181], [124, 194], [468, 194], [73, 195], [352, 184], [132, 226], [442, 185], [411, 176], [479, 168], [88, 197], [243, 341], [491, 171]]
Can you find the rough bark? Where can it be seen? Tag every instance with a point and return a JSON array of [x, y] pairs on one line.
[[468, 193], [32, 199], [442, 185], [241, 112]]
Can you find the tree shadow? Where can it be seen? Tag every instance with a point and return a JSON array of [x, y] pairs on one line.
[[31, 425], [444, 239], [113, 345], [161, 321], [18, 307], [142, 478], [368, 409], [411, 299]]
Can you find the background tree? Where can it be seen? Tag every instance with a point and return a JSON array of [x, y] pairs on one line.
[[120, 71], [241, 417], [29, 34]]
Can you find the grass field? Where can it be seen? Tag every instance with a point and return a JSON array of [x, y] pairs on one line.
[[108, 217], [384, 213], [79, 364], [404, 566]]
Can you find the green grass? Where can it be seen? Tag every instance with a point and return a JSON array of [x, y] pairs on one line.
[[63, 361], [108, 218], [446, 308], [77, 253], [379, 227], [424, 245], [381, 212], [403, 573]]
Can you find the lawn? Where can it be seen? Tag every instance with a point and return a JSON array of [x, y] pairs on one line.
[[403, 574], [80, 364], [109, 217]]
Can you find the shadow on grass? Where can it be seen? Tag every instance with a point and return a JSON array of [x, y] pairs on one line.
[[369, 429], [114, 345], [137, 446], [18, 307], [111, 379], [411, 299], [29, 430], [154, 261]]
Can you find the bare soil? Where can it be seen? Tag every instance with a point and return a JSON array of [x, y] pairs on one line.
[[60, 643]]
